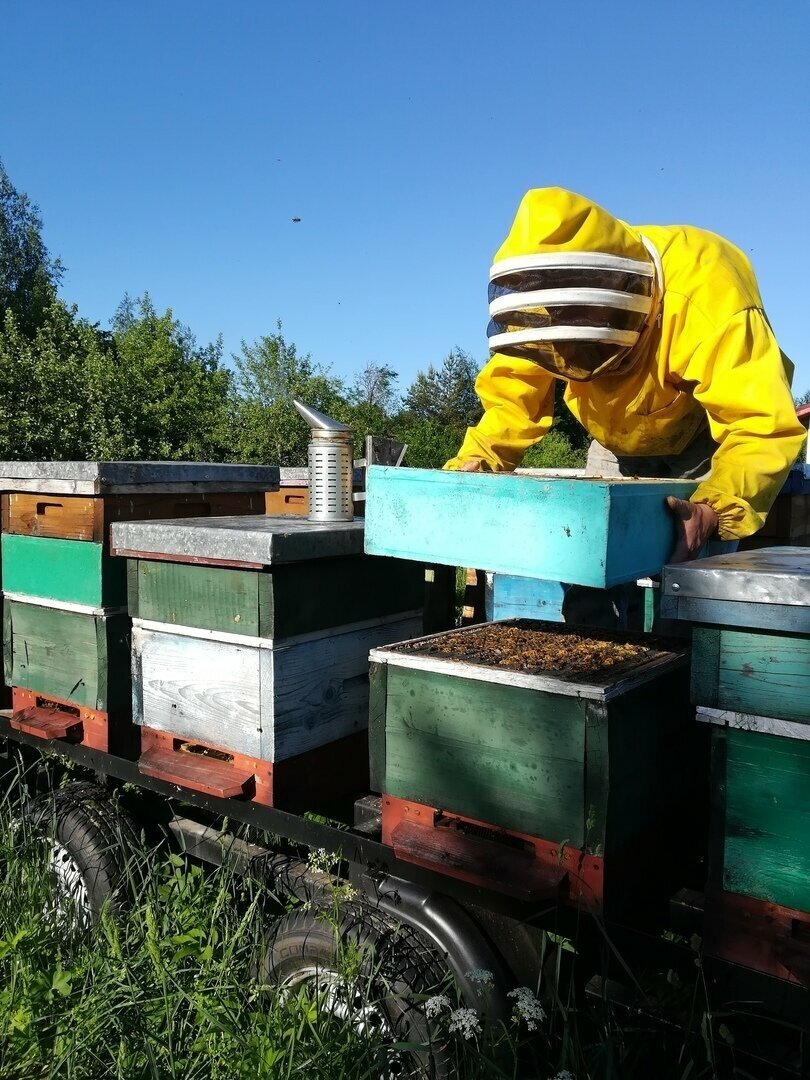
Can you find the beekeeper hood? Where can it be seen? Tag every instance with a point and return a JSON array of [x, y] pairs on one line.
[[572, 289]]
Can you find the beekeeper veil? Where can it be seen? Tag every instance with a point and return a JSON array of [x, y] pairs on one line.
[[572, 289]]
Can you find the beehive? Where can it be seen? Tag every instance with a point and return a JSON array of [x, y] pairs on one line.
[[66, 627], [251, 639], [583, 766], [584, 531]]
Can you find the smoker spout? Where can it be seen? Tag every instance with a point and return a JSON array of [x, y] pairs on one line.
[[318, 421]]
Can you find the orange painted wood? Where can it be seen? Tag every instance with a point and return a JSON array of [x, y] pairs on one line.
[[505, 861], [287, 500], [114, 733], [319, 780], [198, 772], [766, 937], [78, 517]]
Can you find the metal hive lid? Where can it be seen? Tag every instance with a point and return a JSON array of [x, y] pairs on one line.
[[777, 575]]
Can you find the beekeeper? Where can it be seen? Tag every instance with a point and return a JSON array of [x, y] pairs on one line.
[[667, 356]]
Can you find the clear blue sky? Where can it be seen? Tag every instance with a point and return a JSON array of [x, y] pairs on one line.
[[170, 144]]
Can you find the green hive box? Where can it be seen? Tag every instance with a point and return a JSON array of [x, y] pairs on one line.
[[74, 656], [276, 602], [603, 764], [66, 571], [760, 821]]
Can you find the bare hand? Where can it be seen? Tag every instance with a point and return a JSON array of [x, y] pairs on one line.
[[696, 522], [471, 466]]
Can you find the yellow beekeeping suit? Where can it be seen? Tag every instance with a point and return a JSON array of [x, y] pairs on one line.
[[709, 354]]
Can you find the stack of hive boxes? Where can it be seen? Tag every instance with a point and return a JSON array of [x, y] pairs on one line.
[[521, 755], [66, 626], [751, 683], [250, 652]]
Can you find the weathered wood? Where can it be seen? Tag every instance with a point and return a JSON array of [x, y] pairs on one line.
[[494, 752], [266, 701], [82, 659], [282, 602], [377, 675], [70, 571], [76, 517], [759, 935], [197, 772], [766, 825], [584, 531], [752, 672]]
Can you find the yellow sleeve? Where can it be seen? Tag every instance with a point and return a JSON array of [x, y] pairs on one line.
[[518, 400], [739, 378]]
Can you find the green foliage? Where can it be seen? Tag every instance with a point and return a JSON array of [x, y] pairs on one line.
[[28, 275], [170, 397], [554, 452], [446, 395], [269, 374]]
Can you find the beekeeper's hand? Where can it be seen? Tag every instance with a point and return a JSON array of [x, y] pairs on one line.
[[471, 466], [696, 523]]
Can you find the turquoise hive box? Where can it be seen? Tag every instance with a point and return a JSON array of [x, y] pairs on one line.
[[584, 531]]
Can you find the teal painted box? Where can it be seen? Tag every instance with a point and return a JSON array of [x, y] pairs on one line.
[[64, 571], [584, 531]]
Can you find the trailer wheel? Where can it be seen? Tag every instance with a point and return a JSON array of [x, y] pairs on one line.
[[92, 841], [370, 971]]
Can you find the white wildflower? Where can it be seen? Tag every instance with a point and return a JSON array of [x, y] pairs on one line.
[[564, 1074], [481, 976], [529, 1009], [436, 1005], [320, 861], [465, 1022]]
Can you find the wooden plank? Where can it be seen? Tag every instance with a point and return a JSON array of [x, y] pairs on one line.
[[64, 570], [198, 773], [199, 689], [287, 500], [584, 531], [493, 752], [321, 686], [759, 673], [77, 658], [283, 602], [767, 818], [377, 676], [213, 598]]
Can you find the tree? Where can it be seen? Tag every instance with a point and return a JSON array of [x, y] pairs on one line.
[[803, 399], [376, 388], [269, 374], [29, 276], [446, 394], [170, 396]]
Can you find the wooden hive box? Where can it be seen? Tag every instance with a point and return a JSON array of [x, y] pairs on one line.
[[67, 653], [251, 638], [580, 530], [753, 653], [584, 771]]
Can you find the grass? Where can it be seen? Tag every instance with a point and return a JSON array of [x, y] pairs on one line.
[[168, 989]]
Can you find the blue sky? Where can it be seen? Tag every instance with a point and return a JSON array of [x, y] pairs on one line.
[[170, 144]]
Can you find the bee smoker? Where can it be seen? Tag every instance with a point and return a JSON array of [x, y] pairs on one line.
[[330, 466]]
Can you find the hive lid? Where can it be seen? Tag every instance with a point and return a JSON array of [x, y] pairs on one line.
[[124, 477], [768, 588], [777, 575], [250, 541]]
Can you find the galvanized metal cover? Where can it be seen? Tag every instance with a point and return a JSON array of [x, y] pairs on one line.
[[777, 575], [254, 540], [112, 477]]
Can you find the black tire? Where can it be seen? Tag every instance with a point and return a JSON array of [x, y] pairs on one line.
[[397, 971], [92, 841]]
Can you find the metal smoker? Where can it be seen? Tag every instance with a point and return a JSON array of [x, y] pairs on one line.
[[330, 467]]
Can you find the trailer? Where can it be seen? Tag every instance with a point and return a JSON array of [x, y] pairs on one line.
[[568, 828]]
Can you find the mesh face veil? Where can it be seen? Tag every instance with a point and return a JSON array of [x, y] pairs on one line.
[[578, 315]]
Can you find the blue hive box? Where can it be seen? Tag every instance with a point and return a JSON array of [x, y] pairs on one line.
[[584, 531]]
